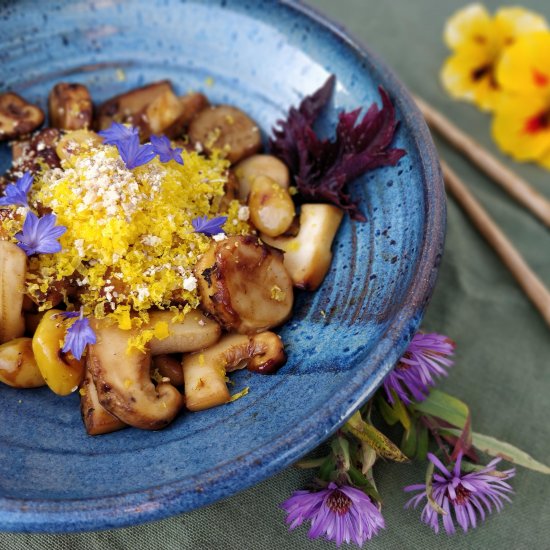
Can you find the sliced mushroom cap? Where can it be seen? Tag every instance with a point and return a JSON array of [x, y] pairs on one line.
[[70, 106], [260, 165], [122, 379], [17, 117], [18, 367], [97, 420], [308, 255], [205, 372], [13, 269], [244, 285]]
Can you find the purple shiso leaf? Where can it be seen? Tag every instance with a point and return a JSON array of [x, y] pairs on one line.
[[323, 168], [209, 227]]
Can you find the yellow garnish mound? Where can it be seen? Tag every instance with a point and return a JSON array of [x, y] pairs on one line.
[[130, 245]]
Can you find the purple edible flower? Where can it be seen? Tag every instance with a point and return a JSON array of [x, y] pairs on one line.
[[118, 133], [133, 154], [16, 193], [339, 513], [39, 235], [424, 360], [209, 227], [462, 495], [163, 148], [78, 335]]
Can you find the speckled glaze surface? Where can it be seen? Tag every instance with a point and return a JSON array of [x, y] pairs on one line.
[[262, 56]]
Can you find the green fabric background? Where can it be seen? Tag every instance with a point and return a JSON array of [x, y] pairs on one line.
[[503, 350]]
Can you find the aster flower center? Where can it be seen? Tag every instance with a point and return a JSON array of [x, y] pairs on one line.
[[339, 502], [462, 495]]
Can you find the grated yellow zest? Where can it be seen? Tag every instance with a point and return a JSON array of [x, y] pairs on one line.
[[238, 395], [129, 243]]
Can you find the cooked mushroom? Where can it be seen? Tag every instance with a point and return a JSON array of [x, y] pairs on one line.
[[17, 117], [260, 165], [231, 188], [244, 285], [308, 255], [123, 107], [18, 367], [228, 129], [76, 142], [70, 106], [169, 366], [122, 378], [271, 207], [61, 371], [168, 114], [13, 269], [195, 331], [97, 420], [204, 372]]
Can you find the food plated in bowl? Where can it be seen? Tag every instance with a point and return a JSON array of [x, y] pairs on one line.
[[341, 340]]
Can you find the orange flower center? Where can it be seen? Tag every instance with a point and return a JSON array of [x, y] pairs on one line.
[[339, 502], [538, 123]]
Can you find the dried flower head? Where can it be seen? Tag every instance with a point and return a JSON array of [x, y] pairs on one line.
[[341, 514], [462, 496]]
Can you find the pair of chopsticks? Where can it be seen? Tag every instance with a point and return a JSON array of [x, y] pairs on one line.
[[518, 189]]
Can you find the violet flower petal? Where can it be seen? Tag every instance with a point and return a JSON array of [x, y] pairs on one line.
[[209, 227], [118, 133], [78, 336], [16, 193], [39, 235], [163, 148]]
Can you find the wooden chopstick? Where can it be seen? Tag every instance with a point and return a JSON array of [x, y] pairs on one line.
[[517, 187], [508, 253]]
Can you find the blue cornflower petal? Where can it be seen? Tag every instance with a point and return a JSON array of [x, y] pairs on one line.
[[39, 235], [118, 133], [209, 227], [133, 154], [165, 151], [16, 193], [78, 336]]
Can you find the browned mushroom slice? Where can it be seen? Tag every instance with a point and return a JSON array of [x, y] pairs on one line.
[[169, 366], [70, 106], [18, 366], [13, 270], [97, 420], [17, 117], [168, 114], [122, 378], [204, 372], [228, 129], [231, 188], [244, 285], [123, 107]]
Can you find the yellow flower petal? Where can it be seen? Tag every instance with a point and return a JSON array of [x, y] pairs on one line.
[[515, 21], [468, 75], [470, 24], [525, 66], [521, 126]]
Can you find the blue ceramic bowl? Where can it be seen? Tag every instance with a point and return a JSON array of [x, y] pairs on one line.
[[263, 57]]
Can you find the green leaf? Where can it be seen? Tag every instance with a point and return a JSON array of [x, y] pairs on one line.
[[368, 457], [310, 463], [409, 442], [383, 446], [444, 406], [387, 412], [494, 447], [340, 448], [359, 480], [401, 412], [327, 468], [422, 442]]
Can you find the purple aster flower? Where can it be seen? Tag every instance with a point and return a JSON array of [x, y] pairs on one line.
[[16, 193], [462, 495], [133, 154], [424, 360], [118, 133], [78, 335], [339, 513], [209, 227], [163, 148], [39, 235]]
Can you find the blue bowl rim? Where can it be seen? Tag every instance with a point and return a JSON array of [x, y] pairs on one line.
[[77, 515]]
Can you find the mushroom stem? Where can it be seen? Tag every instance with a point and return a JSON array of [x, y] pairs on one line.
[[13, 269]]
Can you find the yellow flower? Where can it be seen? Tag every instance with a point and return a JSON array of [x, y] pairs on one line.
[[478, 41], [521, 126]]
